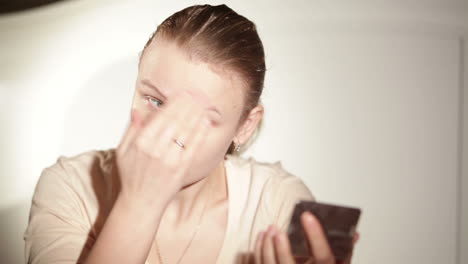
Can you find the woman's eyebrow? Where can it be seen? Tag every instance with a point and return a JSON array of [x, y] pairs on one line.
[[152, 86]]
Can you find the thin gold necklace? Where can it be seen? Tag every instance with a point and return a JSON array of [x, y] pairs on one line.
[[191, 239]]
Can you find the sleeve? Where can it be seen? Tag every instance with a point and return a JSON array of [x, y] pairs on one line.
[[56, 232], [289, 190]]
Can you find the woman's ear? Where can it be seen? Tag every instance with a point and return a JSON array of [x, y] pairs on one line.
[[251, 122]]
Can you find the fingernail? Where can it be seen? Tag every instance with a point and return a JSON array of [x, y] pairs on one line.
[[188, 92], [192, 93], [280, 237], [308, 217], [272, 230], [262, 234], [207, 121]]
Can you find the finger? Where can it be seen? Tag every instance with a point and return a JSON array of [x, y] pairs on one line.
[[179, 113], [157, 137], [176, 121], [283, 248], [186, 106], [198, 103], [156, 119], [135, 124], [355, 238], [187, 100], [186, 126], [317, 239], [268, 250], [149, 135], [258, 248], [199, 137], [200, 97], [184, 134]]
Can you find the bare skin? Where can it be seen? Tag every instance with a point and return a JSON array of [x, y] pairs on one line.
[[207, 243]]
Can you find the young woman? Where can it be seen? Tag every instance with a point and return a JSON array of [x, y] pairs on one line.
[[174, 190]]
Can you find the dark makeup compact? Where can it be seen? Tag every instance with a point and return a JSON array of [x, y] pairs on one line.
[[338, 222]]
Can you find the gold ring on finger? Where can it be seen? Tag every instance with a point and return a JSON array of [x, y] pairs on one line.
[[179, 143]]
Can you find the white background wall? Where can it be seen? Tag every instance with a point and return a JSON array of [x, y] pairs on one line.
[[372, 93]]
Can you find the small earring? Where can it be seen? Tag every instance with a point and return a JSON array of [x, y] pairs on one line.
[[236, 147]]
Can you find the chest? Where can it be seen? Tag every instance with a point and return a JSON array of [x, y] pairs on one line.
[[205, 247]]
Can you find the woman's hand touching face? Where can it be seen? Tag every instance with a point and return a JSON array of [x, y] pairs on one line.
[[273, 247], [152, 167]]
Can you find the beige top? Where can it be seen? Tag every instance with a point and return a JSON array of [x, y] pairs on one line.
[[73, 197]]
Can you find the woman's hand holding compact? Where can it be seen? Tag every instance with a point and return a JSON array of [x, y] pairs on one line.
[[148, 159], [273, 247]]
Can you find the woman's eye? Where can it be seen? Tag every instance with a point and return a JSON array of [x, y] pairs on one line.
[[155, 102]]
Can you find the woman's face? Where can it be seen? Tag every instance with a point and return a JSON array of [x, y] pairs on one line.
[[163, 70]]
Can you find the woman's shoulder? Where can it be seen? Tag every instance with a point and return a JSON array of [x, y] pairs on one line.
[[87, 160], [85, 165], [69, 203], [270, 180], [87, 175], [271, 172], [273, 190]]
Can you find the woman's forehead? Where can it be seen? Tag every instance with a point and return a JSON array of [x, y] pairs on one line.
[[167, 68]]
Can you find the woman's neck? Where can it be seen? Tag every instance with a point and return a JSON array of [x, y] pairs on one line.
[[190, 201]]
